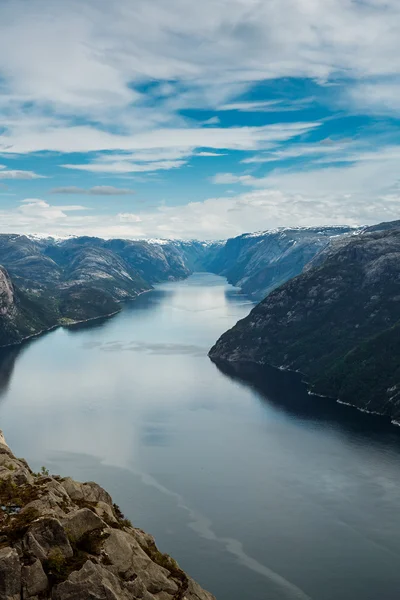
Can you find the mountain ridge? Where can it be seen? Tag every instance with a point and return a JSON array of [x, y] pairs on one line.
[[333, 323]]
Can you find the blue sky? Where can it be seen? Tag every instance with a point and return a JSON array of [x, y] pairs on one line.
[[197, 120]]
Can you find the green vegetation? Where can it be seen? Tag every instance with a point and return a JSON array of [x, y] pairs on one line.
[[338, 324], [371, 370], [122, 521]]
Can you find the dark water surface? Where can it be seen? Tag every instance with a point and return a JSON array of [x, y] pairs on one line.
[[259, 491]]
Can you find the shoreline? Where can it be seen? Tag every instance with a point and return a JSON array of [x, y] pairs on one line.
[[393, 421], [73, 323]]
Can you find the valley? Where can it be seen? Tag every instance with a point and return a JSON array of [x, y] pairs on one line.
[[227, 460], [256, 488]]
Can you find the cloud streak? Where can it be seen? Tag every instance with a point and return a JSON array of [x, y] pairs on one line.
[[17, 174], [97, 190]]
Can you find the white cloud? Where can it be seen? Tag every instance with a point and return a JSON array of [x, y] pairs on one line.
[[204, 55], [303, 150], [36, 210], [210, 154], [375, 97], [127, 167], [89, 139], [229, 178], [212, 121], [128, 218], [269, 106], [16, 174], [220, 217], [74, 75], [362, 174]]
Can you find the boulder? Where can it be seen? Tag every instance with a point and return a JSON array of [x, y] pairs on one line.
[[128, 558], [89, 491], [10, 574], [81, 522], [45, 536], [34, 580], [91, 582]]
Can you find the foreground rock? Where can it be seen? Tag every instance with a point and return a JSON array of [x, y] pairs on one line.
[[66, 540]]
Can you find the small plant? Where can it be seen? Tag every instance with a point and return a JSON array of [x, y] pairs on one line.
[[118, 512], [122, 521], [44, 471], [126, 523], [55, 562]]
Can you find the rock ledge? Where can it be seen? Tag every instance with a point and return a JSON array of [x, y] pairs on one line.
[[66, 540]]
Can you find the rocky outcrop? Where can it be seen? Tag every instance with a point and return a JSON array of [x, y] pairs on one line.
[[260, 262], [66, 540], [21, 314], [6, 293], [337, 323]]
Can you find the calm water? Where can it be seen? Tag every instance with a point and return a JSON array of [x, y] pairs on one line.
[[259, 491]]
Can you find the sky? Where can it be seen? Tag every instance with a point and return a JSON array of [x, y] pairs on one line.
[[187, 119]]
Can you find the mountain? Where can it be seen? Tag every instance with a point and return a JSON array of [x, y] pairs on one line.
[[261, 262], [66, 540], [21, 315], [338, 323], [80, 278]]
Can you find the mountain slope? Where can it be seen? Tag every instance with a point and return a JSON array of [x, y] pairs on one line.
[[22, 316], [261, 262], [80, 278], [331, 323]]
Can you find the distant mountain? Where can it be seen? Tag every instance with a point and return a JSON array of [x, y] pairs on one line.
[[79, 278], [260, 262], [338, 323]]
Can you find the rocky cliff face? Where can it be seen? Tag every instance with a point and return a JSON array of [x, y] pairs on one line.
[[261, 262], [338, 323], [6, 293], [66, 540], [21, 316]]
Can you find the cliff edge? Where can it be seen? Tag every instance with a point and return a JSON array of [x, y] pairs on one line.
[[66, 540]]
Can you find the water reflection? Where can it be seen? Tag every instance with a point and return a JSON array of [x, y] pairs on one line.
[[8, 356], [287, 392]]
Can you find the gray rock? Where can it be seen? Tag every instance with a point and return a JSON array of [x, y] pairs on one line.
[[128, 558], [10, 574], [81, 522], [34, 580], [90, 491], [45, 536], [91, 582], [122, 564], [105, 512]]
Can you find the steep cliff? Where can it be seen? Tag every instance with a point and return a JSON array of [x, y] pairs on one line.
[[66, 540], [21, 314], [260, 262], [338, 323]]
